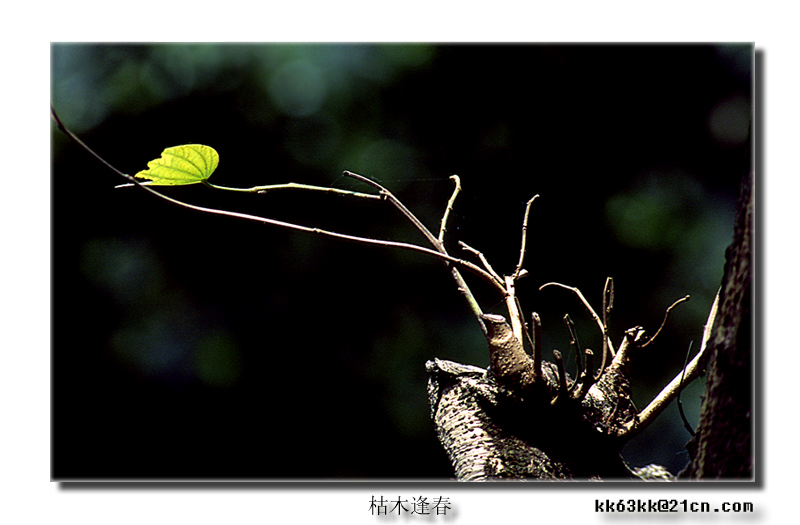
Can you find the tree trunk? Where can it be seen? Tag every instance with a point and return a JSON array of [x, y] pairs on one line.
[[722, 447]]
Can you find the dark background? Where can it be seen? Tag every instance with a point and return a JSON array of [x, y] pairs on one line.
[[195, 346]]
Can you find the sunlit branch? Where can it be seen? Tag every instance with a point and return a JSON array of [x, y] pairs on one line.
[[536, 329], [295, 186], [449, 208], [669, 392], [608, 304], [484, 261], [275, 187], [523, 244], [463, 288], [512, 303], [573, 338]]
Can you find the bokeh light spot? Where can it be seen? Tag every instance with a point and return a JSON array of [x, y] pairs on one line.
[[729, 120], [298, 88]]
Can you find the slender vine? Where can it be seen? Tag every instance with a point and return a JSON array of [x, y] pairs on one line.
[[438, 250]]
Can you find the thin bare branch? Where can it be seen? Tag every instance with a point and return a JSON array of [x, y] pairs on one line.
[[562, 378], [466, 247], [276, 187], [608, 304], [82, 144], [587, 377], [450, 203], [512, 303], [588, 307], [666, 316], [669, 392], [536, 328], [463, 288], [402, 207], [523, 244], [629, 340], [573, 341], [364, 240], [296, 186]]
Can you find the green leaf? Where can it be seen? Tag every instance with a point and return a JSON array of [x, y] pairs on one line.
[[180, 165]]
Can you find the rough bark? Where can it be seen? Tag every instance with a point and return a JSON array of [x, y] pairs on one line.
[[722, 447], [507, 423]]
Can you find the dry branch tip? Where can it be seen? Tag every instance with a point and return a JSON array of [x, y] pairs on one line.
[[664, 322]]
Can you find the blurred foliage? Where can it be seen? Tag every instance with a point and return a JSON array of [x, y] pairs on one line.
[[186, 345]]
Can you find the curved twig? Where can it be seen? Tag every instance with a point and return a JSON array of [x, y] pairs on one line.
[[524, 238], [468, 248], [449, 208], [463, 288], [588, 307], [666, 316]]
